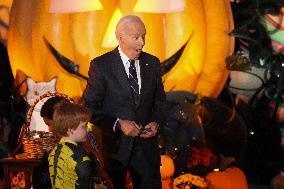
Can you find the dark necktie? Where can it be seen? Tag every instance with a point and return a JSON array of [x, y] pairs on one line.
[[133, 81]]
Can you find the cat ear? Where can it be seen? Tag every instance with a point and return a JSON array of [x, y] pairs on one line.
[[52, 82], [30, 82]]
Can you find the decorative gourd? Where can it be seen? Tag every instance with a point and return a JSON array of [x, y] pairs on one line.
[[231, 178], [167, 167], [78, 36]]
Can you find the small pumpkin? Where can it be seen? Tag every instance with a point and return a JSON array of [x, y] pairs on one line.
[[167, 167], [231, 178]]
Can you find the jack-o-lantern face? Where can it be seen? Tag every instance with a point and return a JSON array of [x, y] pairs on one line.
[[78, 36]]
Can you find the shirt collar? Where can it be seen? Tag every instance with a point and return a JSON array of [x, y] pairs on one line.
[[64, 139], [124, 58]]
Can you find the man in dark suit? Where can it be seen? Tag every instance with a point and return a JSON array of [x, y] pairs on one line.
[[127, 98]]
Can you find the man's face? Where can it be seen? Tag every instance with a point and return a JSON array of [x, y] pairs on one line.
[[132, 39]]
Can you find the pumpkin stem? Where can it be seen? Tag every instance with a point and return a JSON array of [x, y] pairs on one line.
[[225, 162]]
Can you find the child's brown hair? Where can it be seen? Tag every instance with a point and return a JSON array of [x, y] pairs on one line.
[[68, 116]]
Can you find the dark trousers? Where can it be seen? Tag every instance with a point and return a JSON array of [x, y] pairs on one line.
[[145, 174]]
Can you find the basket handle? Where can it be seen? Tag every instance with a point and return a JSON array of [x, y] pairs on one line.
[[23, 131], [26, 126], [48, 94]]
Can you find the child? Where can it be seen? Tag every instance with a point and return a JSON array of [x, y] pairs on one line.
[[47, 110], [69, 164], [41, 174]]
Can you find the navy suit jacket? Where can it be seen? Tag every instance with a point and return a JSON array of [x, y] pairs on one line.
[[108, 95]]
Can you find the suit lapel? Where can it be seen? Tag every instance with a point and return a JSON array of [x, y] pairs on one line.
[[144, 73], [121, 75], [119, 72]]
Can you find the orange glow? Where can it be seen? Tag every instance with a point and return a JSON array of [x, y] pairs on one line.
[[109, 38], [71, 6], [159, 6]]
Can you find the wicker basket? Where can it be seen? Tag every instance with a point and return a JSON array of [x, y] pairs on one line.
[[36, 143]]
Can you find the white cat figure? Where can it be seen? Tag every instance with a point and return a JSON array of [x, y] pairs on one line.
[[34, 91]]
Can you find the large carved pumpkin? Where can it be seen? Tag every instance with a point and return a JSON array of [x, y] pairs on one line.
[[78, 36]]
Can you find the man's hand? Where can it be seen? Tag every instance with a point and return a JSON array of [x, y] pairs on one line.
[[129, 128], [151, 130]]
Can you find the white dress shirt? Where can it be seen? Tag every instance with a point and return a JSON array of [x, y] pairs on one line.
[[126, 63]]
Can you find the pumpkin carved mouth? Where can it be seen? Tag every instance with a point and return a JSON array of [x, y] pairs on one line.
[[74, 68]]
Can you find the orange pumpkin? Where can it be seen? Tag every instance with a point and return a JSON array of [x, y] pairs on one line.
[[231, 178], [79, 36], [167, 167]]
